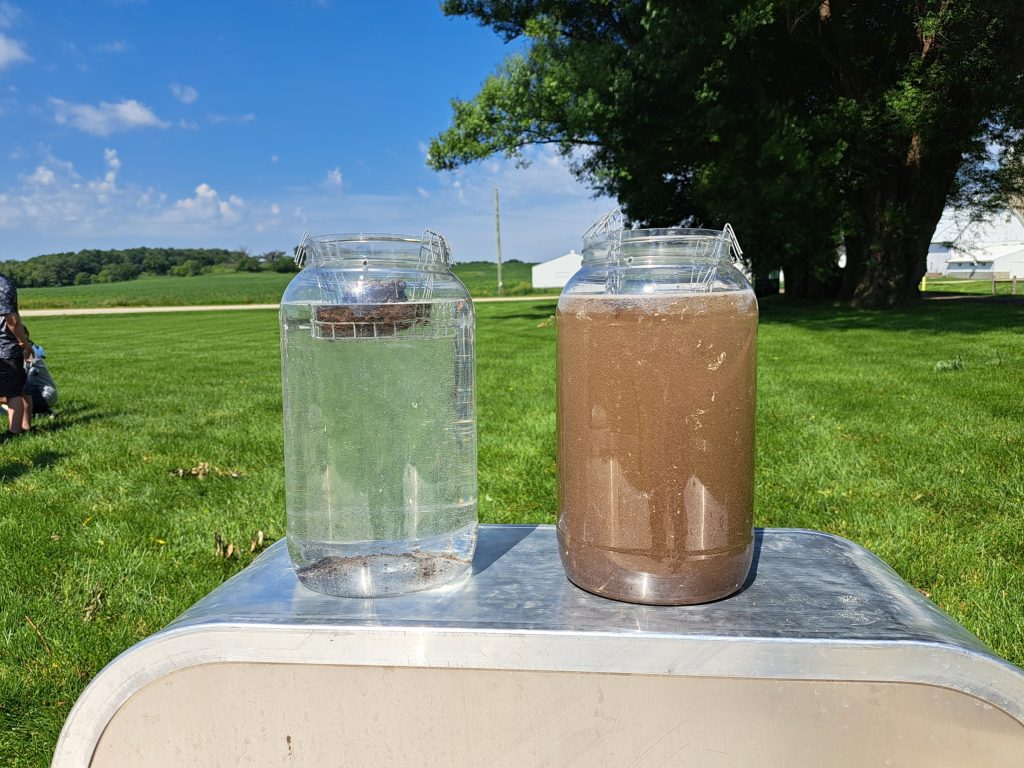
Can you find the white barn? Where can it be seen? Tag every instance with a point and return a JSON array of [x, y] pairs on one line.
[[556, 272], [982, 249], [1000, 261]]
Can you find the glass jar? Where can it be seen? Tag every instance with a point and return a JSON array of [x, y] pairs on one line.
[[378, 366], [657, 342]]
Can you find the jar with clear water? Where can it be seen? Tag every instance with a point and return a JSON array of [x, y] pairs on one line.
[[378, 366]]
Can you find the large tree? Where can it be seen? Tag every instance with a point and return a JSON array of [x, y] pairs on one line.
[[806, 124]]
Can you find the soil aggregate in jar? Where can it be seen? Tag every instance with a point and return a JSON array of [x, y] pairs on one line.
[[656, 444], [382, 310], [343, 575]]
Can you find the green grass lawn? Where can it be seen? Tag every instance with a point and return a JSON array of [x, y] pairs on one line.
[[102, 543], [480, 278], [946, 285]]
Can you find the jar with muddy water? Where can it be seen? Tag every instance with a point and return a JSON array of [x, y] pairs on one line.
[[656, 366]]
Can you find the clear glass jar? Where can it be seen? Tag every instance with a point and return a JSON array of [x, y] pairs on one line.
[[657, 343], [378, 365]]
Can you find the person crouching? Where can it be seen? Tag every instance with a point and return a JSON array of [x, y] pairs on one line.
[[15, 351], [40, 387]]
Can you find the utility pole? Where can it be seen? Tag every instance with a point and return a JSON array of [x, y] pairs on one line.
[[497, 237]]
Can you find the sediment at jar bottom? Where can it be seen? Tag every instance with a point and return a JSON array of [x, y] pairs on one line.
[[383, 568], [656, 444], [381, 575], [636, 579]]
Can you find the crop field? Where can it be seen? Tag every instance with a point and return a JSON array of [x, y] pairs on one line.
[[480, 278], [900, 430]]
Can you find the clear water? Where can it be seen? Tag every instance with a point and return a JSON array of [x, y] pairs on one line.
[[380, 451]]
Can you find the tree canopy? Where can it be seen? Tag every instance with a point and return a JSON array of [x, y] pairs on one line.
[[112, 266], [808, 125]]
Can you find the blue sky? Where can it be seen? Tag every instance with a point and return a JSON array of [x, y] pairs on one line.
[[229, 123]]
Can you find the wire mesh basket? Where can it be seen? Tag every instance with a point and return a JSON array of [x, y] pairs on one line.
[[357, 301]]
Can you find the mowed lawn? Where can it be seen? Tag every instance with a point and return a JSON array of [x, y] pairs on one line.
[[480, 277], [946, 285], [103, 542]]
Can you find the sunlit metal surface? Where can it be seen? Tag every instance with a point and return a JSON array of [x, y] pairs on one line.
[[815, 608], [804, 585]]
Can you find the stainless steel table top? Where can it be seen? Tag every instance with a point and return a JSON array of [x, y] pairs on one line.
[[816, 607], [804, 585]]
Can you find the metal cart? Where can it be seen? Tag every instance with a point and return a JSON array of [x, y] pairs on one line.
[[825, 658]]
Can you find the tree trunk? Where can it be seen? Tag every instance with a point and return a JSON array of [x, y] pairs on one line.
[[885, 265], [803, 282], [887, 248]]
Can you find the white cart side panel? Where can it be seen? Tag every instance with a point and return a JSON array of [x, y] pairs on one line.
[[307, 716]]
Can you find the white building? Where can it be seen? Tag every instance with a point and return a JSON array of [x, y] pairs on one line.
[[982, 249], [556, 272], [1000, 261]]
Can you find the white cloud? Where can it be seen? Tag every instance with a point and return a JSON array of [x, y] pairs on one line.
[[274, 158], [11, 51], [41, 177], [248, 117], [114, 46], [109, 182], [54, 208], [207, 205], [9, 214], [543, 210], [333, 178], [271, 221], [186, 94], [51, 172], [188, 125], [107, 118], [9, 15]]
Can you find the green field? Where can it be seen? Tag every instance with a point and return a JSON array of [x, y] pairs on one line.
[[103, 541], [945, 285], [480, 278], [238, 288]]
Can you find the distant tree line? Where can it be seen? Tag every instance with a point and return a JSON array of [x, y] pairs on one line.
[[113, 266]]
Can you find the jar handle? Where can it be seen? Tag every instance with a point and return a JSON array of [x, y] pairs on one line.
[[609, 222], [300, 252], [434, 248], [734, 244]]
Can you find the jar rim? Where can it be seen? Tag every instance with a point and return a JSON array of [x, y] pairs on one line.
[[362, 237], [428, 249], [653, 234], [658, 243]]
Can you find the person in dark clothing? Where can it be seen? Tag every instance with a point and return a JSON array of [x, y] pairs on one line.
[[15, 350]]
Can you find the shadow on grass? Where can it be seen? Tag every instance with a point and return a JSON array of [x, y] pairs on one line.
[[12, 470], [934, 316], [74, 416]]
